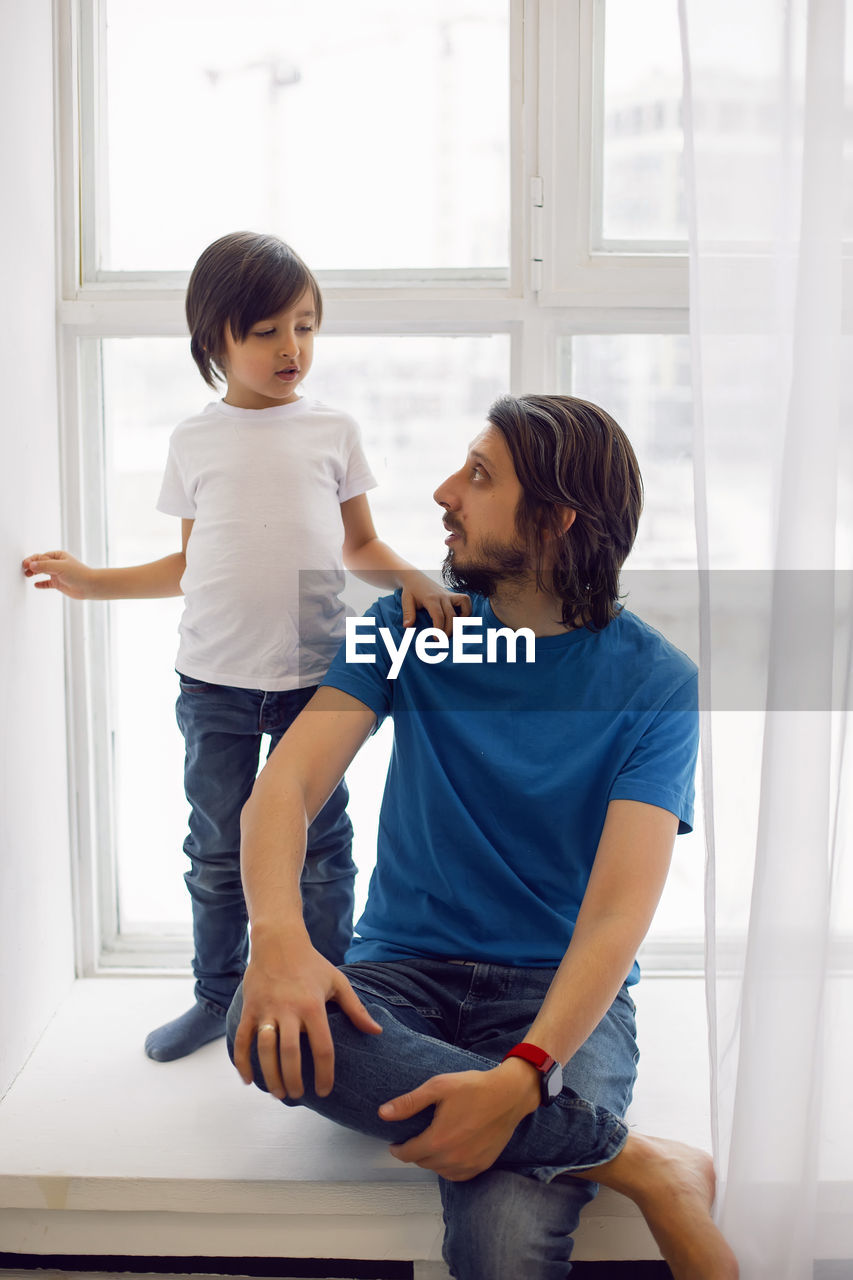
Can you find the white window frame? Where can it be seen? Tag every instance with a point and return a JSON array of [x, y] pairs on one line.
[[557, 284]]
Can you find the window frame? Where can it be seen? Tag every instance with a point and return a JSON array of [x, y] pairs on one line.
[[580, 269], [557, 285]]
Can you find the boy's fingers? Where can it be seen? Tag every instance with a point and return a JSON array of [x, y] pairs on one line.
[[407, 603], [43, 564]]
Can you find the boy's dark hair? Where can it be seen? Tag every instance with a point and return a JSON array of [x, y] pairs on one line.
[[569, 453], [238, 280]]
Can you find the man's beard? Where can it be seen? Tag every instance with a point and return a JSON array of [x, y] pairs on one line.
[[496, 564]]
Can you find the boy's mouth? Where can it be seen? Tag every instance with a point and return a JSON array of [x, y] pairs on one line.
[[287, 375]]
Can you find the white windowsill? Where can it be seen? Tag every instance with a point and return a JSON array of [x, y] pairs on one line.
[[104, 1152]]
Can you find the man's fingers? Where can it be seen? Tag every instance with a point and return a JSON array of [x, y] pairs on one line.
[[243, 1050], [345, 997], [267, 1038], [323, 1055], [409, 1104], [462, 603]]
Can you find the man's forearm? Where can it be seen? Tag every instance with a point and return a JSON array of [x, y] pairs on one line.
[[623, 891], [584, 987], [272, 853], [289, 792]]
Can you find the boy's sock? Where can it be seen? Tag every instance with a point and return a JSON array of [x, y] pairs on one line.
[[185, 1034]]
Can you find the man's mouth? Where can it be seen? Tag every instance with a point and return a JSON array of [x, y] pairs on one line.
[[453, 531]]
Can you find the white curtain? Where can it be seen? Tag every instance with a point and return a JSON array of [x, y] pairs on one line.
[[769, 197]]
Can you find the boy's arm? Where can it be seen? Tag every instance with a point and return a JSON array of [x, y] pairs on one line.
[[150, 581], [287, 983], [477, 1112], [375, 562]]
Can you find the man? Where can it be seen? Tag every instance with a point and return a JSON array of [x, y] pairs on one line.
[[526, 831]]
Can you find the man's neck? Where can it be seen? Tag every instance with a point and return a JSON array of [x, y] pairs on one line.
[[523, 605]]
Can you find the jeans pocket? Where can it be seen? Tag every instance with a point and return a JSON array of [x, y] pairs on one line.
[[190, 685], [373, 985]]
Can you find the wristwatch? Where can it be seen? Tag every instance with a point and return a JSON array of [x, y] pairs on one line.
[[550, 1070]]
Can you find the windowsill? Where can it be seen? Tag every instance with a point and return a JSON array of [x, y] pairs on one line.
[[106, 1152]]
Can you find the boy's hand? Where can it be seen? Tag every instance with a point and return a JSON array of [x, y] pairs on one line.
[[476, 1114], [65, 574], [419, 591], [285, 990]]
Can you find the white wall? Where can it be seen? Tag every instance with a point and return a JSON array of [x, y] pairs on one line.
[[36, 949]]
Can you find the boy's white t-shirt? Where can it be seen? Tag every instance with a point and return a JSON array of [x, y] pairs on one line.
[[264, 561]]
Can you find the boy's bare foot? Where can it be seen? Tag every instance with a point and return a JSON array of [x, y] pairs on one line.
[[673, 1186]]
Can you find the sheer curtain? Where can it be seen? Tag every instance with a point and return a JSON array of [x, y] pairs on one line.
[[767, 111]]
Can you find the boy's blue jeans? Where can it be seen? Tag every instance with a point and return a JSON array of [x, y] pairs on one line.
[[222, 728], [515, 1219]]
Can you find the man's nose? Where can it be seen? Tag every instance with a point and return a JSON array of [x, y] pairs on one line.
[[443, 494]]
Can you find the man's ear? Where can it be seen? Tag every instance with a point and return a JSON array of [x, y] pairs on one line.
[[562, 519]]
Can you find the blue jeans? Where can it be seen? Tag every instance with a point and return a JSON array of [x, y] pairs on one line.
[[222, 728], [515, 1219]]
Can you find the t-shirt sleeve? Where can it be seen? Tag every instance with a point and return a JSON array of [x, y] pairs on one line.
[[360, 667], [174, 499], [357, 477], [661, 768]]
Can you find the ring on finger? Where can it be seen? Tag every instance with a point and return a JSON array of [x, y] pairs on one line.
[[267, 1026]]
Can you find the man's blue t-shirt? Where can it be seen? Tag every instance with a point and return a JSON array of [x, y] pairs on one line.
[[501, 774]]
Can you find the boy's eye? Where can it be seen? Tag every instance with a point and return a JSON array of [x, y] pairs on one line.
[[263, 333], [306, 328]]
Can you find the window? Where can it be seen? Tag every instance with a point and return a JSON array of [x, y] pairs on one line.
[[465, 181], [347, 130]]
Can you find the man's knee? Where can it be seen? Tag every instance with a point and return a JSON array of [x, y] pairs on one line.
[[337, 1020], [504, 1225]]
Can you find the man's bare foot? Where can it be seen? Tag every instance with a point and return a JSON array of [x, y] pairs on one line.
[[673, 1186]]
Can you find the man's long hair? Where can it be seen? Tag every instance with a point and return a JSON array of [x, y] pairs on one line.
[[570, 453]]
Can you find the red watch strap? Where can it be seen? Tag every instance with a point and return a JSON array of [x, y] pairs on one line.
[[531, 1053]]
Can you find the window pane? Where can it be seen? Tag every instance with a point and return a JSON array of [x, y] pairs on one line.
[[642, 172], [417, 419], [643, 380], [373, 135]]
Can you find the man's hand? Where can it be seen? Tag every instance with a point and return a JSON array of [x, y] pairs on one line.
[[476, 1113], [65, 574], [420, 592], [285, 990]]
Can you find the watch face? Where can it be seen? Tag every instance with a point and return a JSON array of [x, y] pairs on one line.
[[552, 1084]]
